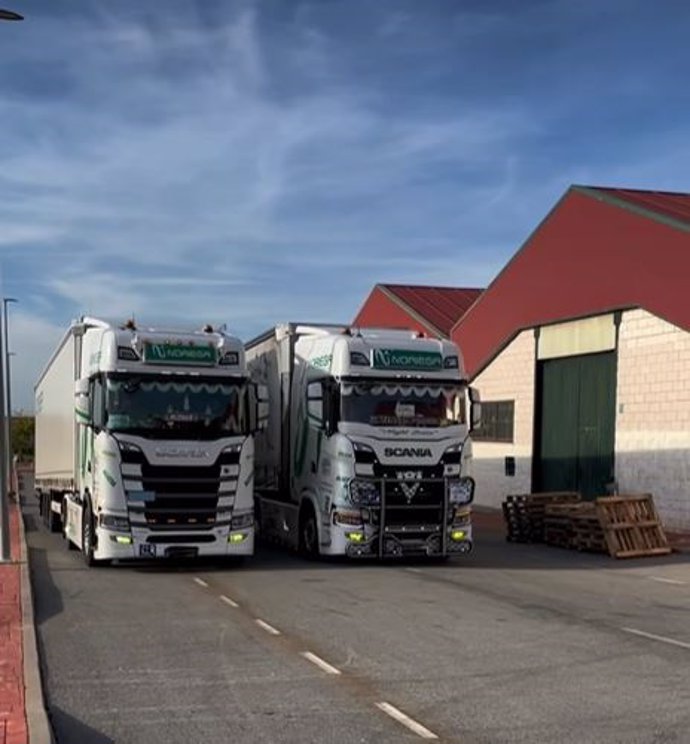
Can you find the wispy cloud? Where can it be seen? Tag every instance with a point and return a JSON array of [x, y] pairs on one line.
[[254, 162]]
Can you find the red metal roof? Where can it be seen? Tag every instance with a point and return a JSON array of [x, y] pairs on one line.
[[663, 204], [441, 307], [598, 250]]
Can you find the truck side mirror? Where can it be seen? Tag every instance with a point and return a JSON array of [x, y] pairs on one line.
[[475, 409], [82, 402]]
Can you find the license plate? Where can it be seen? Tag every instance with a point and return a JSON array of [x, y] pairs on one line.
[[147, 551]]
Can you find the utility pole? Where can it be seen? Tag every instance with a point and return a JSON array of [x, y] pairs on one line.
[[4, 506]]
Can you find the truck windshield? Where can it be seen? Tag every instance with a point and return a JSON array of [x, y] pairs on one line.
[[175, 409], [389, 404]]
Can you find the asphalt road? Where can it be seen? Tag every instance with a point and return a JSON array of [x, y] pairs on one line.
[[511, 644]]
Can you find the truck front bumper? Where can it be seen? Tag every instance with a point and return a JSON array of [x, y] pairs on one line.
[[145, 544], [356, 542]]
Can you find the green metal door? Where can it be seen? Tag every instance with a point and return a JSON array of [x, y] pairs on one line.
[[576, 432]]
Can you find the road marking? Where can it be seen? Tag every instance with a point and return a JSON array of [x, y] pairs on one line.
[[268, 628], [410, 723], [320, 663], [228, 601], [653, 637], [201, 582], [667, 581], [414, 570]]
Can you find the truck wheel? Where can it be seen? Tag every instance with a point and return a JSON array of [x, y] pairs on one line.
[[257, 522], [308, 533], [88, 535], [54, 521]]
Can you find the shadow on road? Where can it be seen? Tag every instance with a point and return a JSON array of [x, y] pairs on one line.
[[69, 730]]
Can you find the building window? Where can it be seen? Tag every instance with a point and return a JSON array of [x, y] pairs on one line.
[[498, 419]]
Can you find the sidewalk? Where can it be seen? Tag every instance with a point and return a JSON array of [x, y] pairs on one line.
[[13, 724], [23, 715]]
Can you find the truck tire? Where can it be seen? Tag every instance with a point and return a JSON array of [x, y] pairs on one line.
[[88, 535], [54, 521], [308, 533]]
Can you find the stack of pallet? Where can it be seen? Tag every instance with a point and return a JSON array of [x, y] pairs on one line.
[[525, 514], [622, 526], [631, 526]]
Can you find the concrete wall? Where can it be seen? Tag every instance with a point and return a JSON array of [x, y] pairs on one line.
[[653, 414], [511, 376]]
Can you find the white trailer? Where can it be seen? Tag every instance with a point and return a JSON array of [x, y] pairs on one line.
[[367, 449], [144, 444]]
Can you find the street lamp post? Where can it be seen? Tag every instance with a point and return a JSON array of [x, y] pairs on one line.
[[8, 393], [5, 15]]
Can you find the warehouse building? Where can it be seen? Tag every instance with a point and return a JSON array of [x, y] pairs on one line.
[[581, 351]]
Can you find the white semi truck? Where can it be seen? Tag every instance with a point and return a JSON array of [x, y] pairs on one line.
[[144, 442], [367, 450]]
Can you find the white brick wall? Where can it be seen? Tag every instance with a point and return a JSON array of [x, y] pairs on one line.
[[653, 414], [652, 417], [509, 377]]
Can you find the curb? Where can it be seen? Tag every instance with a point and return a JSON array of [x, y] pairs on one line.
[[36, 714]]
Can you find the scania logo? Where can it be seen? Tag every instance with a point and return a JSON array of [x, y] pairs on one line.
[[191, 454], [408, 452]]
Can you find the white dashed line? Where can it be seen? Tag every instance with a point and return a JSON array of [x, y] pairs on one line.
[[414, 570], [406, 721], [200, 582], [667, 581], [329, 668], [653, 637], [228, 601], [268, 628]]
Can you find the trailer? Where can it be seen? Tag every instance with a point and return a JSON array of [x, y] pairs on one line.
[[144, 442], [367, 451]]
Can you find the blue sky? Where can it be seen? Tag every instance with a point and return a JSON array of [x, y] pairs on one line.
[[255, 161]]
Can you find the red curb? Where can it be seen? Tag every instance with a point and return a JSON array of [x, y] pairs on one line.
[[13, 724]]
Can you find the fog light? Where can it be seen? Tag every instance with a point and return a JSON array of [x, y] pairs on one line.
[[355, 537], [236, 537], [458, 535], [123, 539]]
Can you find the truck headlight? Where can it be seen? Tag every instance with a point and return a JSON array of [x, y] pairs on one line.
[[113, 522], [242, 521], [364, 492], [461, 491]]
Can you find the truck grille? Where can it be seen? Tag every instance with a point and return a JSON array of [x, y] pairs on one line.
[[412, 497], [180, 497]]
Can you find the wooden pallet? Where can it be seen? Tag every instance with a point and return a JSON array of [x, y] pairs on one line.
[[588, 534], [631, 526], [525, 514]]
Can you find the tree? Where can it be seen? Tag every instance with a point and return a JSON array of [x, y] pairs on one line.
[[23, 437]]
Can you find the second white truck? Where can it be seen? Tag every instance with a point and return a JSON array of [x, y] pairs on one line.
[[144, 442], [367, 450]]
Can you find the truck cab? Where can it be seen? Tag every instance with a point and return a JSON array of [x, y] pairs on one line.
[[163, 447], [376, 456]]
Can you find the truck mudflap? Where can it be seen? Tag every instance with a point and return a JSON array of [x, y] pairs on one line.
[[410, 517]]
